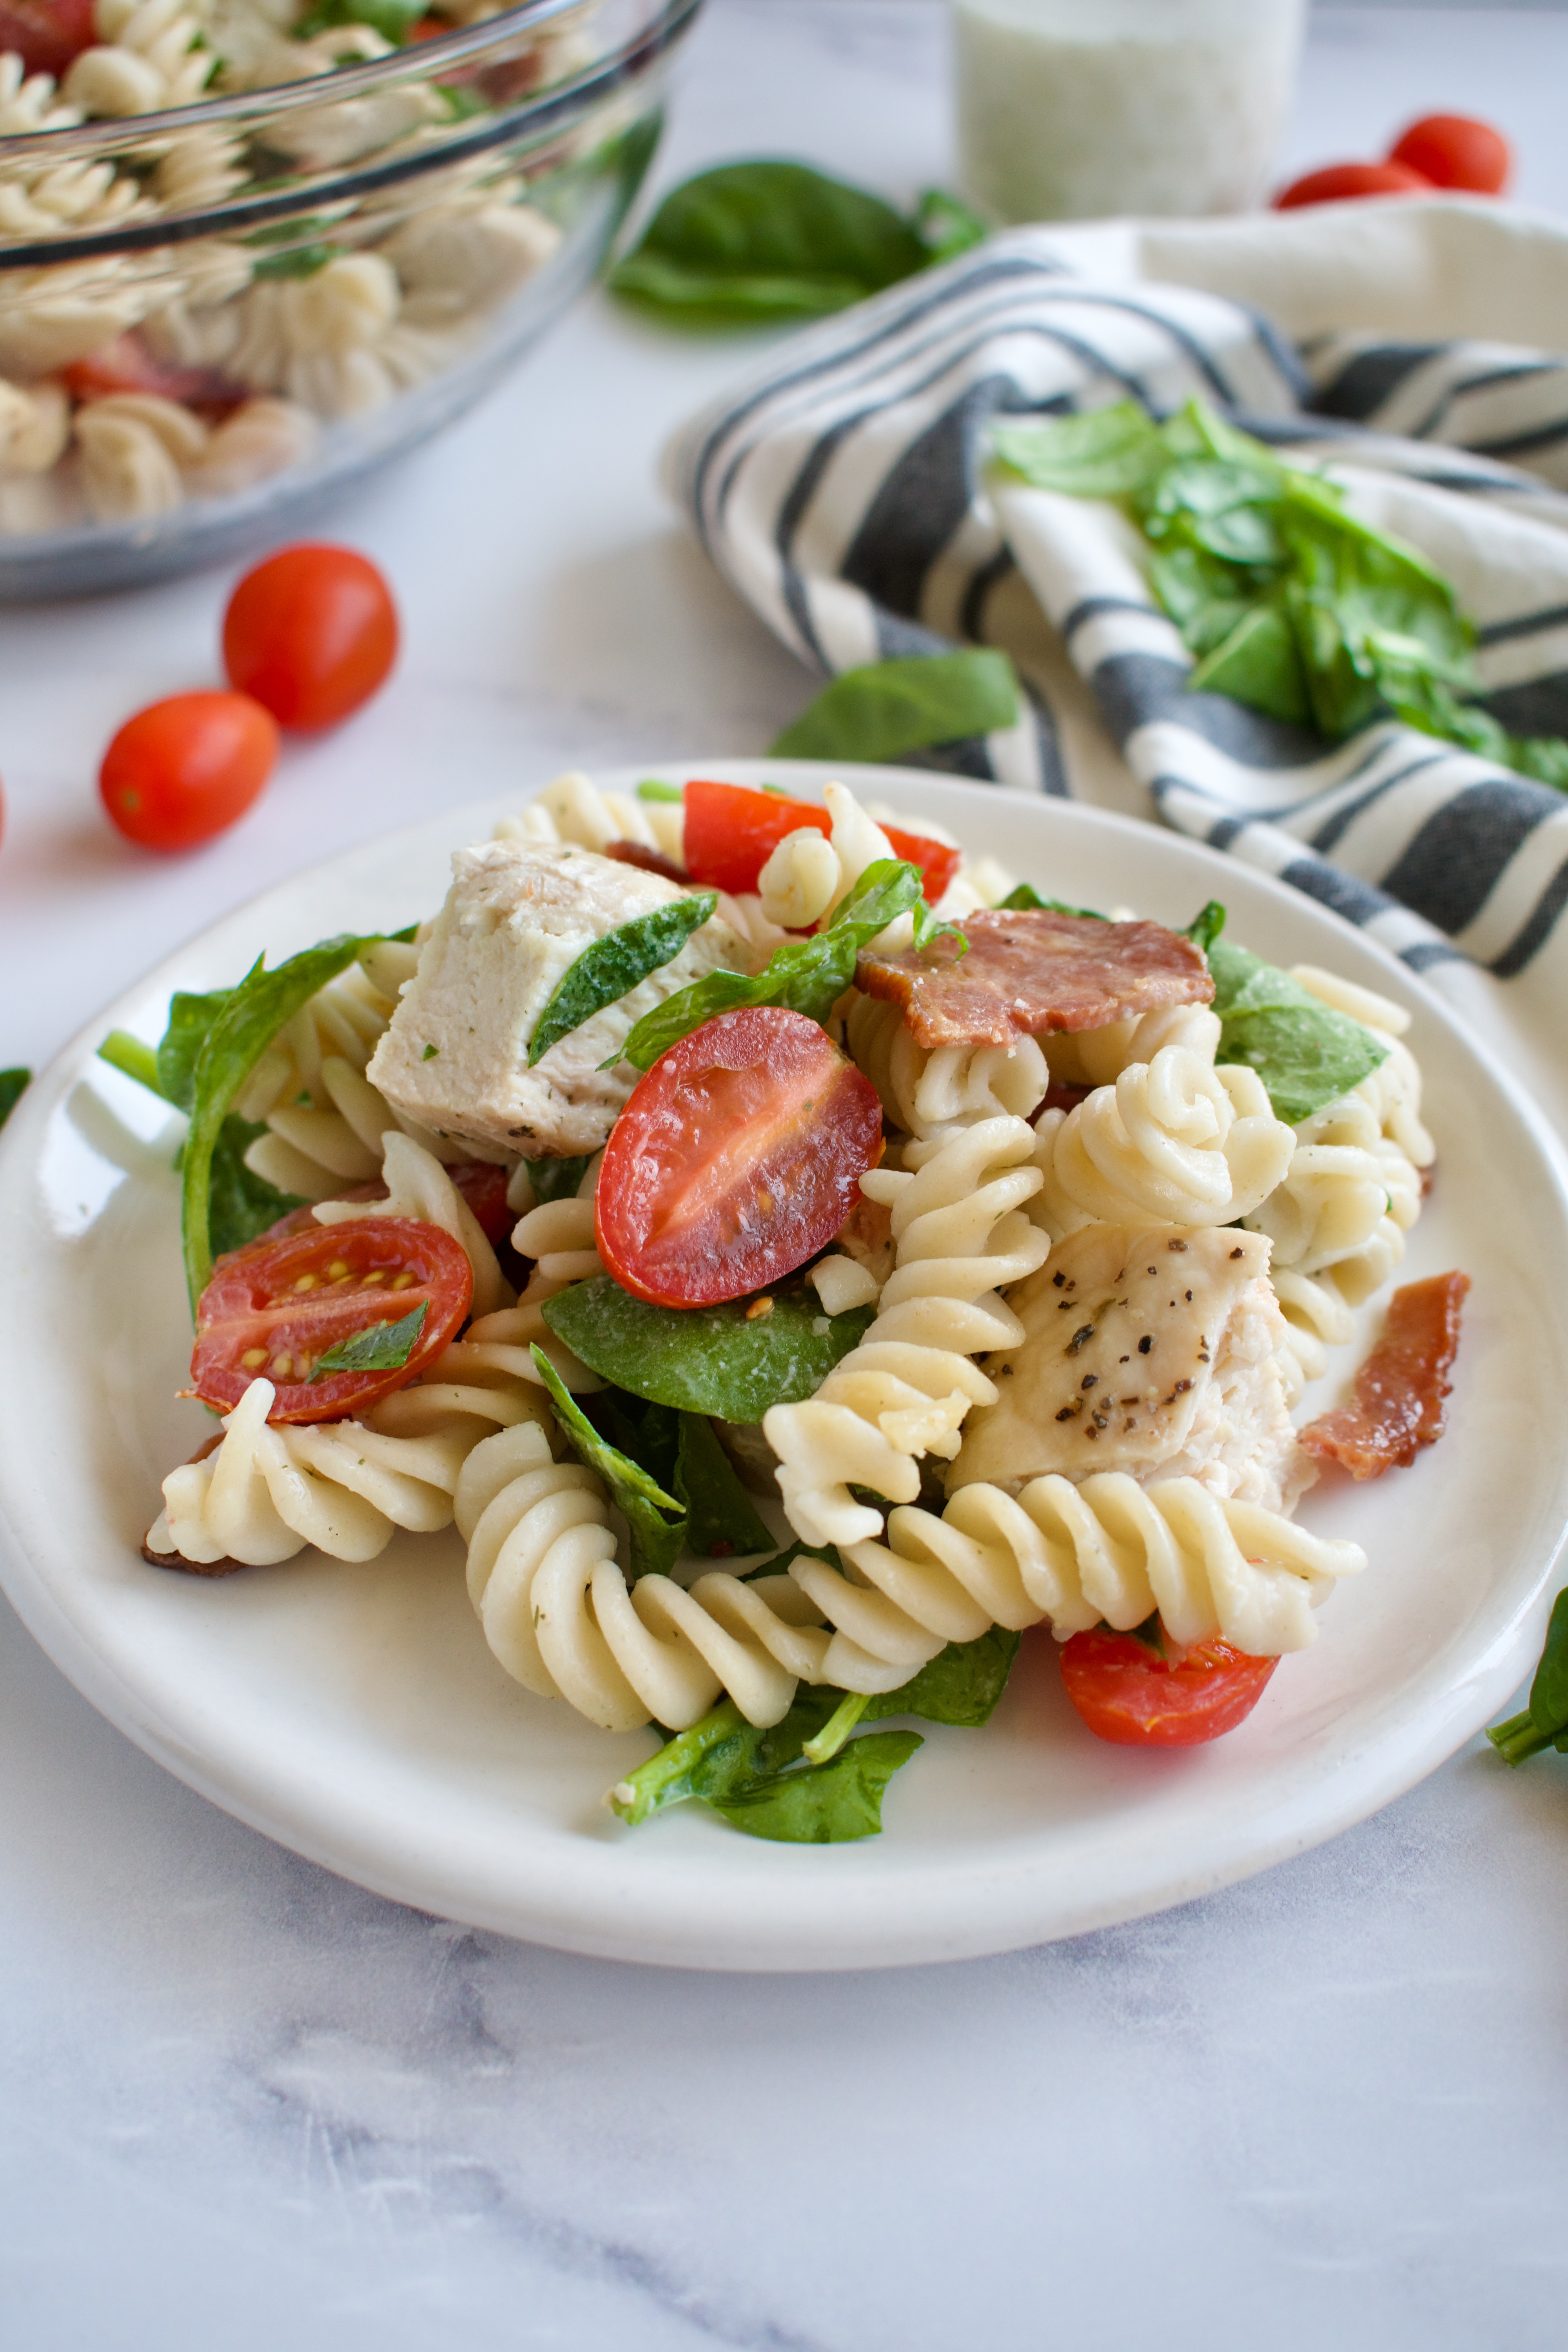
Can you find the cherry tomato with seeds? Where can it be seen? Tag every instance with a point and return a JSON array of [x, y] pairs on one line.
[[731, 831], [311, 634], [274, 1307], [46, 34], [1456, 151], [184, 770], [1127, 1692], [1336, 181], [738, 1156]]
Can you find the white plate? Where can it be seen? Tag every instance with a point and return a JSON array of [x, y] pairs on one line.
[[355, 1713]]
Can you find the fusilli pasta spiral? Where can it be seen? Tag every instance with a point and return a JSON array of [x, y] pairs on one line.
[[417, 1185], [931, 1092], [1175, 1139], [961, 1235]]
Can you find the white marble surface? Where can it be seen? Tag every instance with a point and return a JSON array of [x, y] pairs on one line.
[[247, 2102]]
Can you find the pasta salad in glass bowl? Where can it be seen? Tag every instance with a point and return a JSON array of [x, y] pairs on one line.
[[802, 1259], [251, 248]]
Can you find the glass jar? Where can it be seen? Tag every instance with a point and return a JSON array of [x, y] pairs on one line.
[[1083, 110]]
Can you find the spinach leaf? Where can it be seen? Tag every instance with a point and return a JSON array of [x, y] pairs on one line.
[[656, 1520], [962, 1684], [651, 789], [887, 708], [829, 1804], [393, 19], [239, 1031], [190, 1018], [240, 1204], [617, 964], [807, 975], [1207, 925], [946, 226], [12, 1085], [756, 243], [557, 1180], [1305, 1054], [721, 1519], [380, 1348], [1107, 454], [705, 1360], [1025, 896], [720, 1756], [1544, 1722], [123, 1052]]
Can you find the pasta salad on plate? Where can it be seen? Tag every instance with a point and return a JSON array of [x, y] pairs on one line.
[[802, 1258]]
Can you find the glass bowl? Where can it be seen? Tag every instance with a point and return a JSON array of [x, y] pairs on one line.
[[214, 316]]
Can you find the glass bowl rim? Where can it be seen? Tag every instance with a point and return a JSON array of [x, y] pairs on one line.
[[539, 110]]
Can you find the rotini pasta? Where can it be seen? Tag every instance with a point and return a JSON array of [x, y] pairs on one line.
[[961, 1236], [931, 1093], [417, 1185], [1175, 1139]]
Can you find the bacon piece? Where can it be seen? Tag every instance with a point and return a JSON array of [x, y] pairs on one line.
[[1397, 1407], [1034, 972], [652, 861]]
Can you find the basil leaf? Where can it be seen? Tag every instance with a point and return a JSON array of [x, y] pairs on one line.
[[190, 1018], [12, 1085], [756, 241], [830, 1804], [656, 1520], [240, 1029], [807, 976], [240, 1204], [380, 1348], [651, 789], [617, 964], [557, 1180], [961, 1685], [705, 1360], [882, 710], [1305, 1054], [721, 1519], [946, 226], [1207, 925]]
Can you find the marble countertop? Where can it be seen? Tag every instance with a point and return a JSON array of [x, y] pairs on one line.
[[247, 2101]]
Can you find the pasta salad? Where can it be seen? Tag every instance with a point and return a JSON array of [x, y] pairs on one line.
[[801, 1259]]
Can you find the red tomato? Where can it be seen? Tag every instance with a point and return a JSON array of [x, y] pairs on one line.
[[125, 364], [270, 1310], [1127, 1693], [484, 1189], [1337, 181], [184, 770], [1453, 151], [312, 633], [737, 1158], [46, 34], [731, 831]]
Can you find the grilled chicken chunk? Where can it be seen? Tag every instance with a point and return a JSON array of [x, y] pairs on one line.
[[1151, 1350], [518, 914]]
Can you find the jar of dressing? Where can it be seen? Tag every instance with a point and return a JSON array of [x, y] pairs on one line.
[[1082, 110]]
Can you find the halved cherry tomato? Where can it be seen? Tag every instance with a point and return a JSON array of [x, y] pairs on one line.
[[312, 633], [737, 1158], [1336, 181], [1455, 151], [46, 34], [271, 1309], [731, 833], [125, 364], [1127, 1692], [184, 770]]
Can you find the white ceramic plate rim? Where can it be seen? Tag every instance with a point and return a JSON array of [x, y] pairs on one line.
[[812, 1909]]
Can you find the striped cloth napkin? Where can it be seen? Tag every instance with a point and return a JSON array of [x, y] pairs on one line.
[[1415, 346]]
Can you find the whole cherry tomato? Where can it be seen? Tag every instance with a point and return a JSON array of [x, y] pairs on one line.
[[1337, 181], [312, 633], [272, 1309], [46, 34], [738, 1156], [1127, 1692], [1455, 151], [184, 770], [731, 833]]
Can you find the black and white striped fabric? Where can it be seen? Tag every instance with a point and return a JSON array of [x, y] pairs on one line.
[[841, 492]]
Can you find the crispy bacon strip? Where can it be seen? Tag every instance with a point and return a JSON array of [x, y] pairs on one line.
[[1398, 1405], [652, 861], [1034, 972]]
